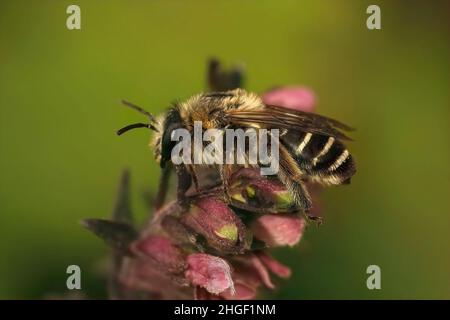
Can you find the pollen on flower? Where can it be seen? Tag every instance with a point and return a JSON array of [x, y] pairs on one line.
[[228, 231]]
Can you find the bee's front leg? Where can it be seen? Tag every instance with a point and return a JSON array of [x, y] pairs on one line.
[[163, 187], [193, 174], [184, 182]]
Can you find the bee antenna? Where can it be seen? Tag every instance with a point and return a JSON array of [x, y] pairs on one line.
[[135, 126], [139, 109]]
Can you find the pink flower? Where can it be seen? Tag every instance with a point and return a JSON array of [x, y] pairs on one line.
[[140, 276], [295, 97], [209, 272], [278, 230], [253, 270], [274, 266], [217, 223], [250, 272], [161, 252]]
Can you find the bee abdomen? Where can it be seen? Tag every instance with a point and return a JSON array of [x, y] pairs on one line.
[[323, 158]]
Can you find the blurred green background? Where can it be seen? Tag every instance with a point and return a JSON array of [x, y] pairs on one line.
[[59, 109]]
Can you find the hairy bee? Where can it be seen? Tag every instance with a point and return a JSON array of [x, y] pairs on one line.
[[311, 146]]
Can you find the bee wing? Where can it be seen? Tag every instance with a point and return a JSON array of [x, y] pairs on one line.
[[284, 118]]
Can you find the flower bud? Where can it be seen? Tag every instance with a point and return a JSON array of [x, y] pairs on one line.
[[217, 223]]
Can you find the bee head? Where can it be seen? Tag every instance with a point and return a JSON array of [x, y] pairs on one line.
[[172, 121]]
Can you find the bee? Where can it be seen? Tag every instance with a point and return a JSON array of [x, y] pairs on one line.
[[311, 146]]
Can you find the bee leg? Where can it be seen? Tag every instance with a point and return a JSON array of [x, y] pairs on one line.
[[290, 175], [318, 220], [184, 182], [297, 190], [163, 187], [194, 177], [300, 194]]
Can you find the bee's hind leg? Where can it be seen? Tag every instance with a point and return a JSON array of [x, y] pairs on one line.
[[303, 199], [300, 194], [297, 189]]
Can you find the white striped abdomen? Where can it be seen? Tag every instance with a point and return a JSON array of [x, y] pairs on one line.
[[323, 159]]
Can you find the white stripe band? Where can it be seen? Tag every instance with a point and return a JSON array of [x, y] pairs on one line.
[[304, 143], [324, 151], [344, 155]]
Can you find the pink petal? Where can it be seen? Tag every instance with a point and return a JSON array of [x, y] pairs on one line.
[[274, 266], [244, 272], [243, 292], [262, 271], [161, 251], [278, 230], [295, 97], [202, 294], [209, 272]]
